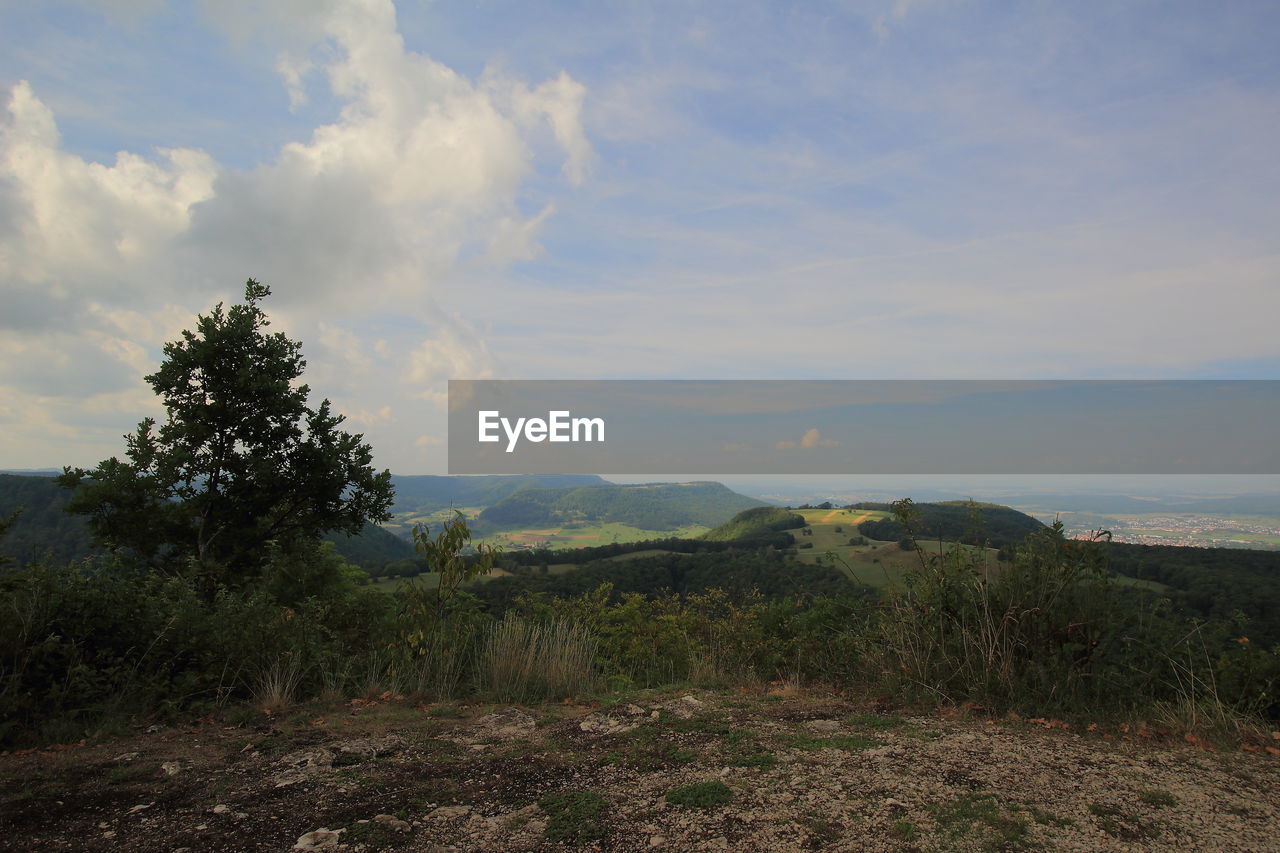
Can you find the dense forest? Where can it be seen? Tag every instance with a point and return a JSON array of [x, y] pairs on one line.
[[954, 521]]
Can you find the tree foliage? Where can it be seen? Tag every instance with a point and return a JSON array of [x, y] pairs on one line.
[[241, 461]]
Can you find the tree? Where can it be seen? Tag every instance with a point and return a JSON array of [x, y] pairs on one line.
[[241, 469]]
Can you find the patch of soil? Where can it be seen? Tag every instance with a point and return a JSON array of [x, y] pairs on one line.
[[802, 773]]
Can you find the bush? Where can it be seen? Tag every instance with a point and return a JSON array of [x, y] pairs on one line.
[[702, 795]]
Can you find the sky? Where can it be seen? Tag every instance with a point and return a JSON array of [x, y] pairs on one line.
[[907, 189]]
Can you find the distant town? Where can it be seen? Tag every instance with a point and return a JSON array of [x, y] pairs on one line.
[[1190, 531]]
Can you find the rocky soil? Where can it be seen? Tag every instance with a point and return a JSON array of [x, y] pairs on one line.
[[669, 771]]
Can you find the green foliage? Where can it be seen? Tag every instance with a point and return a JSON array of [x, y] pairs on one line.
[[701, 795], [756, 523], [439, 626], [38, 527], [574, 816], [1046, 630], [953, 521], [84, 643], [241, 460]]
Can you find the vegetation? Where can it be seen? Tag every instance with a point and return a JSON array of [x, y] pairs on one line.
[[969, 522], [653, 506], [755, 525], [701, 795], [242, 469]]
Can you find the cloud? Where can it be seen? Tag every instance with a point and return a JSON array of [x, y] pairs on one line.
[[368, 217], [811, 439]]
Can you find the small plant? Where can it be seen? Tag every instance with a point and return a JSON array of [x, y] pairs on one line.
[[983, 815], [574, 816], [905, 830], [701, 795], [446, 711], [875, 721], [1157, 797], [848, 743]]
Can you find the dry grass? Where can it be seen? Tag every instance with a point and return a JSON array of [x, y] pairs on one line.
[[525, 661]]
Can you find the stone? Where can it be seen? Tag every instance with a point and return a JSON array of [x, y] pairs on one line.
[[823, 726], [450, 812], [318, 839], [392, 821]]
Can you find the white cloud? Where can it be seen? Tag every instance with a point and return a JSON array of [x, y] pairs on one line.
[[365, 219]]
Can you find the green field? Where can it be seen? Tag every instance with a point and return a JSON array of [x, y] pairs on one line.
[[584, 536]]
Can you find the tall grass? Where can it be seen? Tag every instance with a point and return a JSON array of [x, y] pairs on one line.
[[523, 660]]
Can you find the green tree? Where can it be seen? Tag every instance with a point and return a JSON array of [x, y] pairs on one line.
[[241, 468]]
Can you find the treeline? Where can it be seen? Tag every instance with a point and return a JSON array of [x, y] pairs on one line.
[[953, 521], [735, 571], [539, 559], [1212, 583]]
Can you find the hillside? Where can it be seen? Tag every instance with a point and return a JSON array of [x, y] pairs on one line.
[[42, 530], [650, 506], [755, 523], [426, 493], [952, 521]]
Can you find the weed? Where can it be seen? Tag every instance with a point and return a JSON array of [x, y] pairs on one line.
[[1157, 797], [574, 816], [874, 721], [701, 795], [984, 815], [848, 743], [130, 772]]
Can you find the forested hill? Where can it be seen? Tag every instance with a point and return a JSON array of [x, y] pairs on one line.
[[650, 506], [43, 531], [426, 493], [755, 523], [998, 526]]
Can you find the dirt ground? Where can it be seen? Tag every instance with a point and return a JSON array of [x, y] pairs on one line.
[[699, 771]]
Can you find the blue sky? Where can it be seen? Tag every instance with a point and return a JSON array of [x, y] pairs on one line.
[[610, 190]]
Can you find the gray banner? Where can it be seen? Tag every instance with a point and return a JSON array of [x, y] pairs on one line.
[[864, 427]]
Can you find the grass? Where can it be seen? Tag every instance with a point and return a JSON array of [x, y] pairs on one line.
[[1118, 823], [701, 795], [982, 815], [1157, 797], [525, 661], [574, 816], [848, 743], [874, 721], [646, 749], [745, 750]]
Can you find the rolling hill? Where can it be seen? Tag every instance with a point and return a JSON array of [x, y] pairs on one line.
[[651, 506]]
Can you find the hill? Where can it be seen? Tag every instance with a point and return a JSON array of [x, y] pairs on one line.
[[650, 506], [755, 523], [426, 493], [999, 526], [42, 530]]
